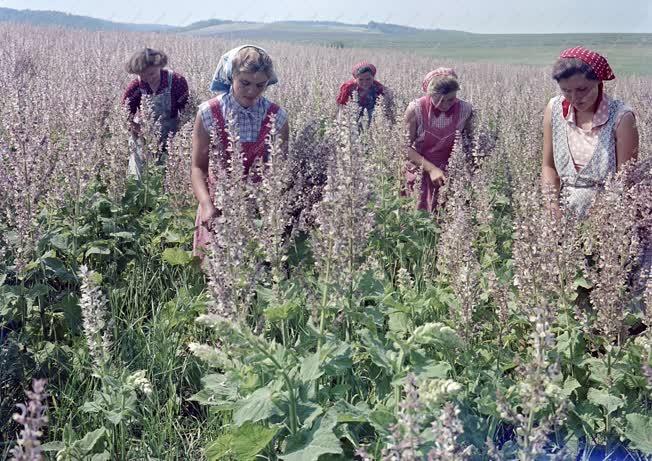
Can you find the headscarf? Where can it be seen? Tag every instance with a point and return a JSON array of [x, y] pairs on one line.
[[439, 72], [598, 65], [360, 65], [595, 61], [223, 78], [347, 88]]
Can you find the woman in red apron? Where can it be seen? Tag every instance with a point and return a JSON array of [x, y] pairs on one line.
[[368, 89], [432, 122], [242, 76]]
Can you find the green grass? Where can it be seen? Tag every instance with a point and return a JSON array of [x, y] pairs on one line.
[[629, 54]]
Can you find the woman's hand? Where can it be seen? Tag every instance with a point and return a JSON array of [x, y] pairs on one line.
[[134, 128], [437, 176], [207, 212]]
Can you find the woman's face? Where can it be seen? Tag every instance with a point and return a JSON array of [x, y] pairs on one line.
[[248, 86], [151, 74], [365, 80], [443, 102], [581, 92]]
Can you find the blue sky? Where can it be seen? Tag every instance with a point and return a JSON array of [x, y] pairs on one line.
[[488, 16]]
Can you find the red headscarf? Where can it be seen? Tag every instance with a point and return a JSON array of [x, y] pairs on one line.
[[595, 61], [347, 88], [360, 65], [439, 72]]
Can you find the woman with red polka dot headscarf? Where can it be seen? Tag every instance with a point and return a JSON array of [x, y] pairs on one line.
[[587, 135]]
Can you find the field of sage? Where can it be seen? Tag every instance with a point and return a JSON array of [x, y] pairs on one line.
[[332, 320]]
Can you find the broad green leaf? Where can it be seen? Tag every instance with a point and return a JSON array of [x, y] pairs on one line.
[[59, 241], [434, 370], [256, 407], [176, 256], [278, 312], [347, 413], [91, 440], [569, 386], [336, 358], [582, 282], [242, 443], [53, 446], [319, 440], [602, 398], [123, 235], [376, 350], [639, 432], [381, 419], [311, 368], [218, 390], [398, 322], [96, 250], [221, 448]]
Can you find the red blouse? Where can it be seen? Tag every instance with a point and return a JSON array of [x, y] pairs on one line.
[[136, 88]]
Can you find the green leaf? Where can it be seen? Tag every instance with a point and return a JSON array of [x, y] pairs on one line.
[[602, 398], [376, 350], [242, 443], [96, 250], [218, 390], [123, 235], [639, 432], [91, 440], [319, 440], [59, 241], [176, 256], [285, 311], [569, 386], [434, 370], [398, 322], [53, 446], [347, 413], [256, 407], [582, 282], [311, 368]]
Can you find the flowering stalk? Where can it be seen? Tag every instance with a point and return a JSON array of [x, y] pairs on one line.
[[32, 417]]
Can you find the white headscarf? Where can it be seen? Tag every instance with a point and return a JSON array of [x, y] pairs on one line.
[[223, 78]]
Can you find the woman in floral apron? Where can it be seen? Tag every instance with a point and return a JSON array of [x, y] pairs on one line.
[[432, 122], [241, 77], [168, 91], [587, 137]]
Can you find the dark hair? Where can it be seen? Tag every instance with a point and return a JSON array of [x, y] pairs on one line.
[[567, 67], [443, 85], [363, 70]]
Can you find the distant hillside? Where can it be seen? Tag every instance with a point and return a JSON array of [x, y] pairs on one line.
[[56, 18], [320, 31]]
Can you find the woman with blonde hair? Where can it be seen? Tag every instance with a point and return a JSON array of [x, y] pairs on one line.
[[432, 123], [242, 76], [168, 91]]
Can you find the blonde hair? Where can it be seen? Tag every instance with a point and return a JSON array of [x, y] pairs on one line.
[[251, 60], [141, 60], [443, 85]]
